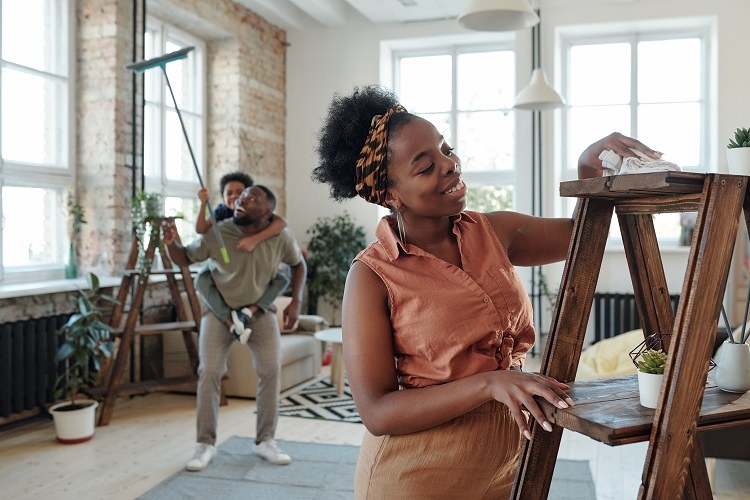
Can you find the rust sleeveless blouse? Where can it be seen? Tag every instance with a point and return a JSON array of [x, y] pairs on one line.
[[449, 323]]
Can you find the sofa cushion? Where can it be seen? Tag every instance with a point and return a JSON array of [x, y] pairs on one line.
[[609, 357], [296, 346]]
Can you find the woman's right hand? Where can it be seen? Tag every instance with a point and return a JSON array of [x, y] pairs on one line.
[[517, 390]]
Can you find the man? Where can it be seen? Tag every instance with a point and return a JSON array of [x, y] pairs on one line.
[[242, 281]]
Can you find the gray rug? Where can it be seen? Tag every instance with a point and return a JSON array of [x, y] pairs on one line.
[[317, 471]]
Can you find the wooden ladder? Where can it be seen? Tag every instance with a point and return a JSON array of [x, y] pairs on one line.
[[608, 410], [125, 334]]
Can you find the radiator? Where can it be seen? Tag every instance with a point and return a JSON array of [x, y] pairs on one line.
[[616, 313], [28, 370]]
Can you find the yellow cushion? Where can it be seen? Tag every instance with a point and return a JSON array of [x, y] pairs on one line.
[[609, 357]]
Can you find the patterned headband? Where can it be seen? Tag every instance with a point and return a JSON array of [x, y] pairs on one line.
[[370, 173]]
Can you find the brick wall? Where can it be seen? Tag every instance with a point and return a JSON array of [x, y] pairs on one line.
[[245, 118]]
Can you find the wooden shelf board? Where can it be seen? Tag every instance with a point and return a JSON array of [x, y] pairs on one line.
[[608, 410]]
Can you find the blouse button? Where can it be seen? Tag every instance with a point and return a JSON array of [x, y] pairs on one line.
[[486, 299]]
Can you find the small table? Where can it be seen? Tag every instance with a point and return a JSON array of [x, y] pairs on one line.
[[334, 337]]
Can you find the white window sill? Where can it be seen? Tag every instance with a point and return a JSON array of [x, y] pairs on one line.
[[52, 286]]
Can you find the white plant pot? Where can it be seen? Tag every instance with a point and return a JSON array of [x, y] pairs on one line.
[[733, 367], [74, 426], [649, 387], [738, 161]]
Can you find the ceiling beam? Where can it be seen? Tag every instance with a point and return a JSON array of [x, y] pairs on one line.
[[279, 12], [327, 12]]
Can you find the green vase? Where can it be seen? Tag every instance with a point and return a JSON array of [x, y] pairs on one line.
[[71, 270]]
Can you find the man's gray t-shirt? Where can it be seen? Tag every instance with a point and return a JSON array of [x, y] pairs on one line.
[[244, 279]]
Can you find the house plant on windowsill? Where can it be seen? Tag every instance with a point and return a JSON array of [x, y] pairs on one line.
[[84, 345], [738, 152], [650, 358], [334, 243], [76, 219]]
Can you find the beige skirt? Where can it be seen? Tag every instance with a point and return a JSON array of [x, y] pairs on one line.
[[472, 456]]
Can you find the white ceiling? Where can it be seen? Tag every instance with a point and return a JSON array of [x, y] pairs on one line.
[[297, 14]]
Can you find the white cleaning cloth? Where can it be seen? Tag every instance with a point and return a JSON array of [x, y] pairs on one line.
[[615, 165]]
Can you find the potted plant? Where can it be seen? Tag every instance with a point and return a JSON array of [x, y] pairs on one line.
[[334, 242], [738, 152], [76, 219], [84, 345], [146, 215], [650, 364]]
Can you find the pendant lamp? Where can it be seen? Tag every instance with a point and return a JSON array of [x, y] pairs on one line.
[[538, 95], [498, 15]]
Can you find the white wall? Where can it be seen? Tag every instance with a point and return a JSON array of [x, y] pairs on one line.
[[324, 61]]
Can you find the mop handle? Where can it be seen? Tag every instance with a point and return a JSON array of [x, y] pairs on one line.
[[219, 239]]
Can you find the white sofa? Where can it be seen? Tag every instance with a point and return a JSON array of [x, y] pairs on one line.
[[300, 357]]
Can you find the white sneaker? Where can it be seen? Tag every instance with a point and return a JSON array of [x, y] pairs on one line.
[[270, 451], [204, 452]]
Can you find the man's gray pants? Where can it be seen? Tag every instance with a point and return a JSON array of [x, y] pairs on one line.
[[213, 349]]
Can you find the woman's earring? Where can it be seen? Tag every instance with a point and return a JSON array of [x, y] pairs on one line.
[[400, 224]]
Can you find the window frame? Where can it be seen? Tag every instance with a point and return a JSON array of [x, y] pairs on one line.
[[477, 177], [632, 36], [173, 188], [53, 176]]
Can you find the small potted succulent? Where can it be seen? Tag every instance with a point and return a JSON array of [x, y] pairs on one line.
[[738, 152], [650, 358], [85, 343]]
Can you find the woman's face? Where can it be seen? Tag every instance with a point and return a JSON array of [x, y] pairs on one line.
[[425, 172], [232, 191]]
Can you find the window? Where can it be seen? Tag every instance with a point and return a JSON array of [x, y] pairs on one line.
[[168, 166], [468, 93], [651, 86], [35, 133]]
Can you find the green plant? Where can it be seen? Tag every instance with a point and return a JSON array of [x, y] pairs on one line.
[[146, 215], [76, 219], [334, 242], [652, 361], [84, 342], [741, 139]]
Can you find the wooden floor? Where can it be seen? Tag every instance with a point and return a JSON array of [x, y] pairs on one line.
[[151, 437]]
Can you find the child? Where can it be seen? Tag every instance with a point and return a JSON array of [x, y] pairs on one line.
[[238, 321]]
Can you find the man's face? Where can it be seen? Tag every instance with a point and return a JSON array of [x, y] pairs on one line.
[[251, 207]]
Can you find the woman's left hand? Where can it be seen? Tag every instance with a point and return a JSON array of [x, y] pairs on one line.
[[589, 164]]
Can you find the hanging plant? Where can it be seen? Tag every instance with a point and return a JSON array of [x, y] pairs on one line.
[[146, 215]]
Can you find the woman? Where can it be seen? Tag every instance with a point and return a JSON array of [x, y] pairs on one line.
[[436, 322]]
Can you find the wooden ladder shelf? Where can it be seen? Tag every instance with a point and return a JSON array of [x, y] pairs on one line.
[[608, 410], [126, 333]]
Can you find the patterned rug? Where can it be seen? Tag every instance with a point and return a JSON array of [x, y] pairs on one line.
[[319, 400]]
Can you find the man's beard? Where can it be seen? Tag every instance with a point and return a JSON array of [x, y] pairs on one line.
[[242, 220]]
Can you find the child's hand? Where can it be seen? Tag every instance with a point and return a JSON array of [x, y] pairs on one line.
[[246, 244], [203, 195], [168, 231]]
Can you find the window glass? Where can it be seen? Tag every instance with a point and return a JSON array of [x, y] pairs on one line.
[[33, 34], [669, 70], [599, 74], [33, 127], [168, 164], [484, 81], [187, 211], [35, 133], [32, 223], [467, 93], [648, 85], [490, 198], [426, 83], [486, 140]]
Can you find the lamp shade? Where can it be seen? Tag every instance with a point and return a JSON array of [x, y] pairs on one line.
[[538, 94], [498, 15]]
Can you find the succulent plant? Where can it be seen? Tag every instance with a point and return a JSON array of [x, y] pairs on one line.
[[741, 139], [652, 361]]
